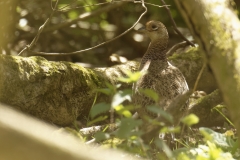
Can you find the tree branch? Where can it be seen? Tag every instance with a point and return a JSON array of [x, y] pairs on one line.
[[40, 30], [85, 16], [175, 26], [101, 44], [171, 51]]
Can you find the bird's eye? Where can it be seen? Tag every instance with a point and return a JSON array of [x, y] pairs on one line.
[[154, 27]]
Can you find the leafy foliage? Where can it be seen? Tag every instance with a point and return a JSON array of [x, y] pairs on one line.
[[217, 146], [30, 15], [128, 136], [190, 120]]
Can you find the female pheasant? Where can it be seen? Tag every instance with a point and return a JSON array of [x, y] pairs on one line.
[[158, 74]]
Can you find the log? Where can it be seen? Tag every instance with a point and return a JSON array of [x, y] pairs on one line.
[[62, 92], [57, 92], [25, 138]]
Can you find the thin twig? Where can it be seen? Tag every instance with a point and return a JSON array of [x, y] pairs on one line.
[[90, 5], [104, 3], [52, 5], [84, 16], [156, 5], [61, 9], [176, 47], [34, 41], [175, 26], [199, 76], [84, 50]]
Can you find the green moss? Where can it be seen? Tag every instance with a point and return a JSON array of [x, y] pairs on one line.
[[92, 80], [205, 100], [191, 54], [38, 67], [96, 79], [37, 59]]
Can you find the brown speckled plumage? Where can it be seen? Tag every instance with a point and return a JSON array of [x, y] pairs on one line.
[[162, 77]]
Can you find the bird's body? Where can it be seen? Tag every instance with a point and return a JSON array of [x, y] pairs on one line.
[[158, 74]]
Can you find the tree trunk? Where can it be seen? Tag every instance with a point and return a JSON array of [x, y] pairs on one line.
[[216, 29]]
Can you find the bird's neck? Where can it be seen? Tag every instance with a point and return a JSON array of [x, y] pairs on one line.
[[157, 49], [156, 53]]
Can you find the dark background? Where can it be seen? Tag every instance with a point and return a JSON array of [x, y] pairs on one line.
[[24, 17]]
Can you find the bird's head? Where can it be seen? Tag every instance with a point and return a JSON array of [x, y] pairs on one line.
[[155, 30]]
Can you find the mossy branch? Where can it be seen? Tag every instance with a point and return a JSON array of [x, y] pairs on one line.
[[61, 92]]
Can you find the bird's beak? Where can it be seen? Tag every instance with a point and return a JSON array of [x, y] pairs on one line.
[[142, 29]]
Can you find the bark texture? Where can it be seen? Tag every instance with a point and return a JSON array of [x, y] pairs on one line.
[[8, 20], [58, 92], [216, 28]]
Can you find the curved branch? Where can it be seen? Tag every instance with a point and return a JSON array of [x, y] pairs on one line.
[[175, 26], [84, 16], [40, 30], [176, 47], [101, 44]]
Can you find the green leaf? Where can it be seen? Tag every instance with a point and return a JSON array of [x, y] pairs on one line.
[[190, 120], [111, 89], [126, 127], [182, 156], [221, 140], [151, 94], [120, 97], [131, 77], [100, 136], [159, 111], [220, 109], [73, 14], [106, 91], [99, 108], [164, 147], [98, 119], [120, 109], [176, 129]]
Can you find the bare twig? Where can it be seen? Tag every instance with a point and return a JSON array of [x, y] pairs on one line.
[[98, 4], [176, 47], [34, 41], [84, 50], [83, 17], [90, 5], [175, 26], [61, 9], [155, 5], [52, 5], [199, 76]]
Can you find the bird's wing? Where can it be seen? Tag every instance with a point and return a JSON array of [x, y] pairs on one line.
[[178, 81]]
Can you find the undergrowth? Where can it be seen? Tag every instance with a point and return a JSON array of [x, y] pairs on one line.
[[125, 132]]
